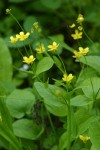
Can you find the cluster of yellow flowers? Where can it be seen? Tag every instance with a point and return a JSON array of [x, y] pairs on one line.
[[84, 138], [78, 32], [41, 49], [82, 52], [21, 37]]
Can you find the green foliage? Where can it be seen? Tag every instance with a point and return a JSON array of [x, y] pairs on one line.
[[5, 62], [43, 65], [21, 127], [51, 102], [53, 98], [20, 102]]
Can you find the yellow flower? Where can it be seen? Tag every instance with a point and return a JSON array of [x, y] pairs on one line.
[[23, 36], [29, 60], [83, 51], [72, 26], [67, 78], [41, 49], [53, 47], [84, 138], [77, 54], [14, 39], [36, 25], [80, 18], [77, 35]]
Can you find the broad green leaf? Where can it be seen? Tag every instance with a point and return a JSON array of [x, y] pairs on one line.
[[53, 98], [43, 65], [80, 100], [20, 102], [92, 61], [91, 87], [63, 141], [28, 23], [87, 123], [85, 74], [5, 62], [27, 129], [94, 133], [51, 4]]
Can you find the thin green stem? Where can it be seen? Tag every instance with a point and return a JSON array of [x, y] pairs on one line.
[[51, 123], [16, 20], [62, 63], [88, 36]]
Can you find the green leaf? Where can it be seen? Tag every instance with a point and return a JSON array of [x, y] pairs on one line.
[[20, 102], [63, 141], [27, 129], [53, 98], [43, 65], [94, 133], [87, 123], [91, 87], [92, 61], [51, 4], [85, 74], [28, 23], [80, 100], [58, 63], [5, 62]]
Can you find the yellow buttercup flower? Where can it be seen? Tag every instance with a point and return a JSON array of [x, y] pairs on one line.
[[84, 138], [41, 49], [77, 35], [53, 47], [23, 36], [29, 60], [67, 78], [72, 26], [14, 39], [83, 51], [80, 18], [76, 54]]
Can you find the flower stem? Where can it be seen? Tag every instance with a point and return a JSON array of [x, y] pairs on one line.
[[51, 123], [88, 36]]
